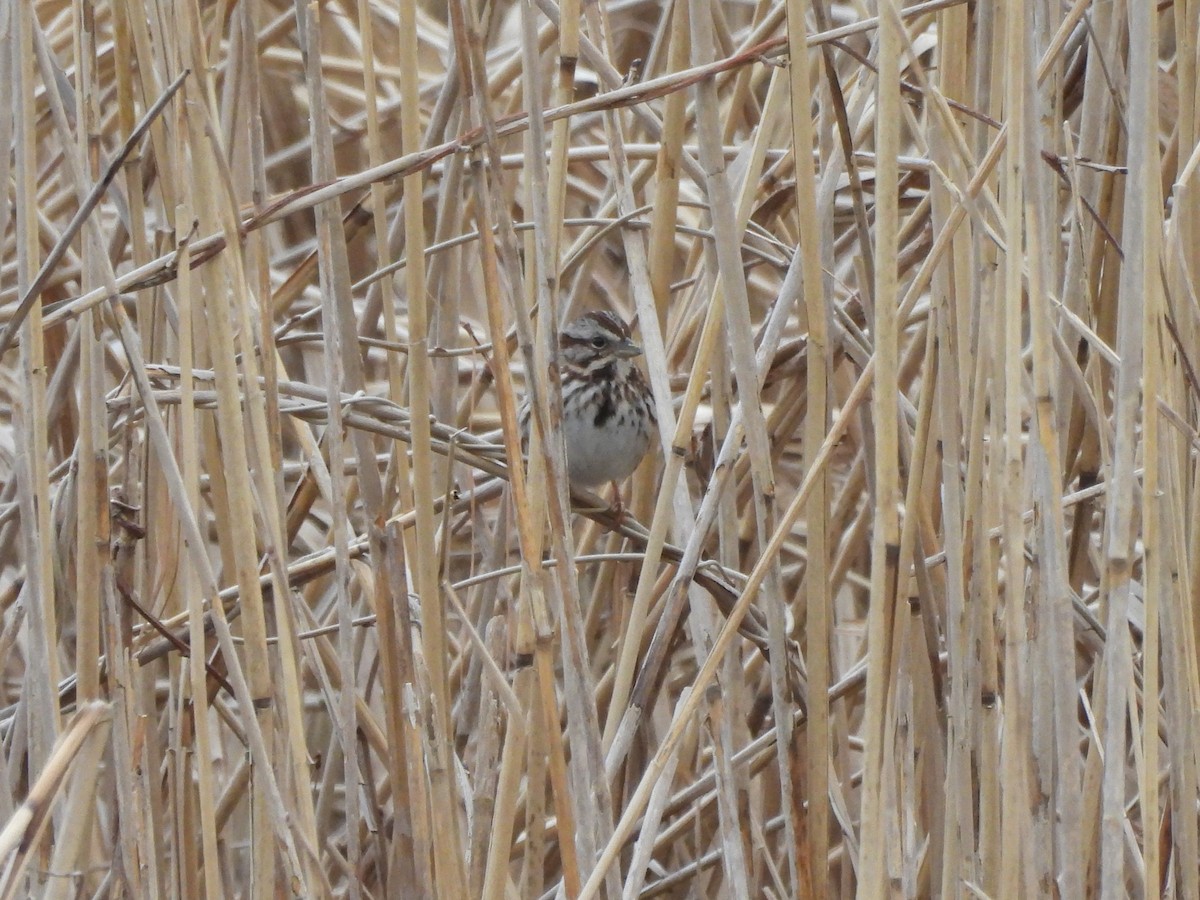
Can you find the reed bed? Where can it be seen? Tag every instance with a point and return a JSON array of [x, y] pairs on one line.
[[905, 601]]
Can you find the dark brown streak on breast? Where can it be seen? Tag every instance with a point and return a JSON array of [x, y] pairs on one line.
[[607, 407]]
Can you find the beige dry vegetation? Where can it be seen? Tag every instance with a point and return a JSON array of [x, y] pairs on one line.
[[908, 605]]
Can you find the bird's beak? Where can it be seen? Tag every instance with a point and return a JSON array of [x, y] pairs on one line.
[[627, 350]]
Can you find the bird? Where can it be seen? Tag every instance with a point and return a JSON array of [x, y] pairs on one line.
[[608, 412]]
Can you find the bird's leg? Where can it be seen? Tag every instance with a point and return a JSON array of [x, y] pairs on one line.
[[618, 507]]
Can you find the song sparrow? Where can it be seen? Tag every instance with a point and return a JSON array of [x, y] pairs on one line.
[[608, 414]]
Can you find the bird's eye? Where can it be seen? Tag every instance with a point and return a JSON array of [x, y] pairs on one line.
[[598, 342]]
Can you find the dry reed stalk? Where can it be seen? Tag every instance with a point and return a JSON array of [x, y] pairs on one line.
[[905, 601]]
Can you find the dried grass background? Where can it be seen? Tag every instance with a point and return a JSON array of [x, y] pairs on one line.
[[904, 604]]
